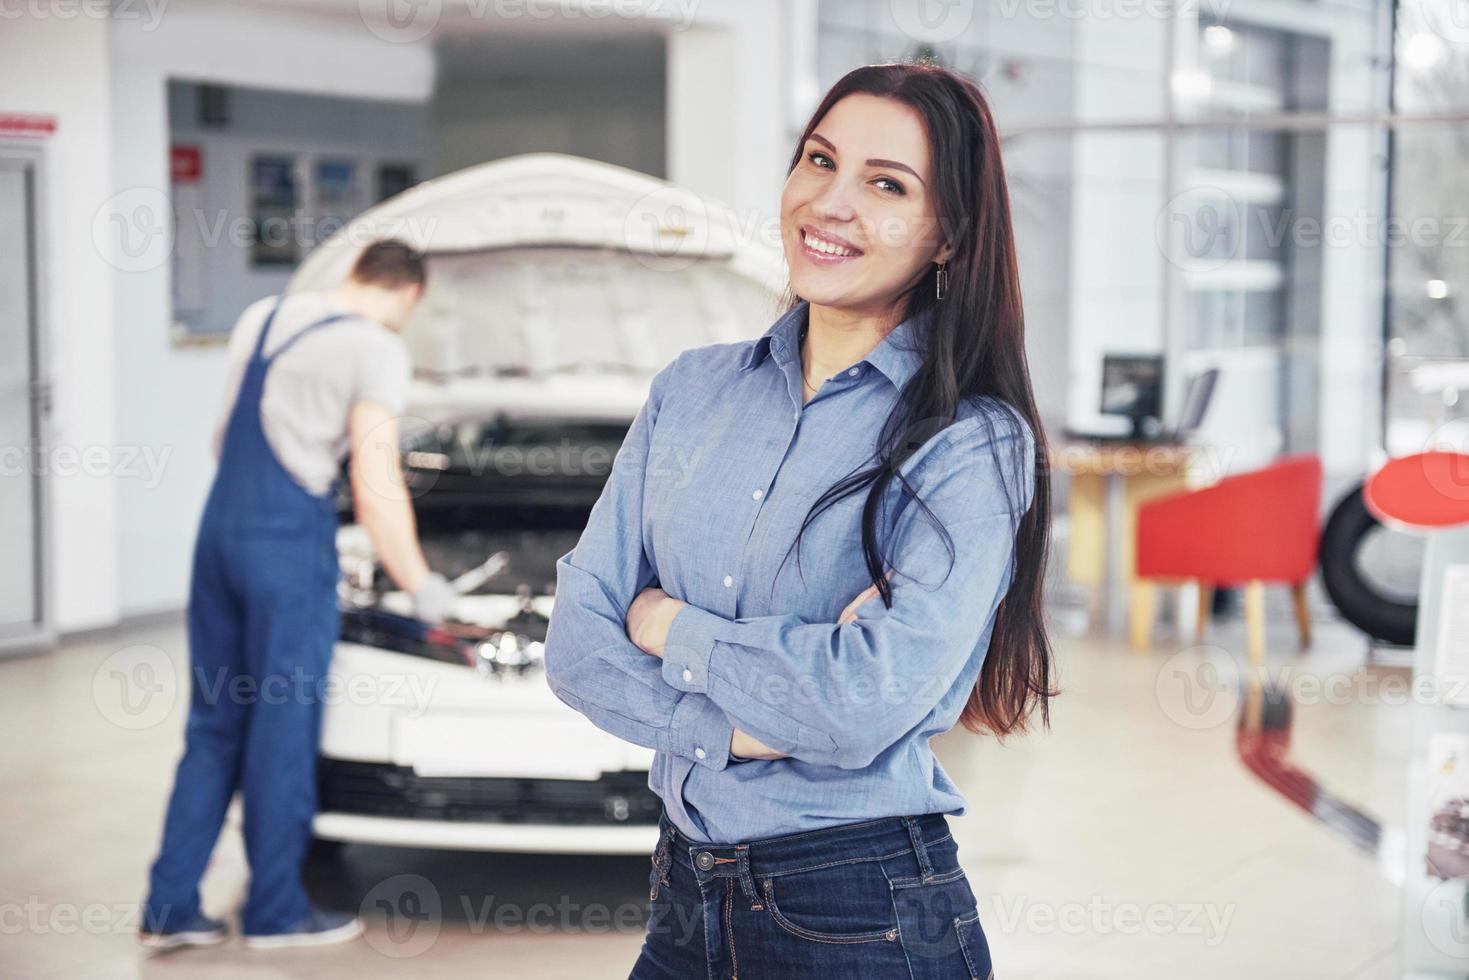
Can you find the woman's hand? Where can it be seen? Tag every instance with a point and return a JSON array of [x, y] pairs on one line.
[[649, 618], [748, 746], [849, 614], [651, 615]]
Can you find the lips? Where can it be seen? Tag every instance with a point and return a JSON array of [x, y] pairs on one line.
[[825, 248]]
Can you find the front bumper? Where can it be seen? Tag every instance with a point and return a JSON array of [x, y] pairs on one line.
[[439, 755]]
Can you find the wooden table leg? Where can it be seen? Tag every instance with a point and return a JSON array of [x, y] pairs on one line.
[[1255, 621], [1206, 610], [1303, 613]]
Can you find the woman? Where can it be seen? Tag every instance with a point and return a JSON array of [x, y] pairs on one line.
[[884, 430]]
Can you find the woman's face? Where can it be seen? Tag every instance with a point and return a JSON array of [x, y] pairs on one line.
[[857, 214]]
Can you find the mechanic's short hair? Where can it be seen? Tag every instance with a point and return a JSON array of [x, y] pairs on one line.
[[390, 264]]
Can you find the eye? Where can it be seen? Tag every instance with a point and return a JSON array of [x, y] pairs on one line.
[[816, 156], [890, 185]]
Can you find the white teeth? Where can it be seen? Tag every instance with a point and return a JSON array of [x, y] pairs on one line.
[[820, 245]]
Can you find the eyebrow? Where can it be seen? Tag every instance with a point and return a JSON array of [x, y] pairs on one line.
[[895, 165]]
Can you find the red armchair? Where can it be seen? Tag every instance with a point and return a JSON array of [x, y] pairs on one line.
[[1252, 528]]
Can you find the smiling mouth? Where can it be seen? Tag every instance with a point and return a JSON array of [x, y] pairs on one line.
[[825, 249]]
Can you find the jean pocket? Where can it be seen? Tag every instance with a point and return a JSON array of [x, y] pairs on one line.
[[845, 904], [974, 946], [938, 917]]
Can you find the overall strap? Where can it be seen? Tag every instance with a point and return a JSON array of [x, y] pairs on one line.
[[307, 329], [259, 352]]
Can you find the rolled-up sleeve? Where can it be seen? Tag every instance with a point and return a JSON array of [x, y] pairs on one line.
[[591, 664], [860, 686]]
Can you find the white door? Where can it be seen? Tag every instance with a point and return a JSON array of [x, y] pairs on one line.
[[24, 397]]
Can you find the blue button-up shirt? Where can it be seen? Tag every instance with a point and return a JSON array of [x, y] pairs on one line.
[[708, 490]]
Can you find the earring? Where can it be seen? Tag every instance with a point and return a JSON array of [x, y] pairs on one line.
[[941, 282]]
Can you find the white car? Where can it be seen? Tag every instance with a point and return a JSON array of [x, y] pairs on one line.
[[556, 288]]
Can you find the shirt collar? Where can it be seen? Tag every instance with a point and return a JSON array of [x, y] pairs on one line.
[[898, 355]]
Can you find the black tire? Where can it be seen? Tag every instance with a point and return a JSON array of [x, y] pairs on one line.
[[1380, 617]]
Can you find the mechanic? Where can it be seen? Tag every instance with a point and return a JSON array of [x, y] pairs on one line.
[[312, 374]]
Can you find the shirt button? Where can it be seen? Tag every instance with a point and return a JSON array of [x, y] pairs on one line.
[[688, 675], [698, 752], [704, 860], [728, 581], [853, 372], [795, 416], [757, 494]]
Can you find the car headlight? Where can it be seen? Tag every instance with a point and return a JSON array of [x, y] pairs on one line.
[[508, 652]]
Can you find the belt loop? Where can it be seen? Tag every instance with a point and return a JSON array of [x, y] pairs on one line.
[[920, 850], [747, 880]]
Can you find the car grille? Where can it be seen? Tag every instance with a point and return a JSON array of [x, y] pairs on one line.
[[378, 789]]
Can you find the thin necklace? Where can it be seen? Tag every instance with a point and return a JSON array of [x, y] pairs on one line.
[[803, 368]]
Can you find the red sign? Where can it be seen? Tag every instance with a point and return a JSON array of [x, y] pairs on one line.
[[186, 164], [26, 124]]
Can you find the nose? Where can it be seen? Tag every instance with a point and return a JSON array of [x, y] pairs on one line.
[[835, 204]]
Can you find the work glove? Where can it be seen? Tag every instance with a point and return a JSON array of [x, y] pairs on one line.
[[435, 599]]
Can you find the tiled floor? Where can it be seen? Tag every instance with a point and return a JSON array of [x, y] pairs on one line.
[[1128, 842]]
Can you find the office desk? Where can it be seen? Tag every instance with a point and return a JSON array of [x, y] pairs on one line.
[[1108, 482]]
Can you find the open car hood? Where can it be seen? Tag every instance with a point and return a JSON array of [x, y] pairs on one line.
[[551, 266]]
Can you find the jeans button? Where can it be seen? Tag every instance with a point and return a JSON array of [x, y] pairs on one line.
[[704, 860]]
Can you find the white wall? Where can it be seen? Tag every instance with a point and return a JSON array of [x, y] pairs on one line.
[[59, 66], [305, 127], [167, 396], [490, 104], [730, 79]]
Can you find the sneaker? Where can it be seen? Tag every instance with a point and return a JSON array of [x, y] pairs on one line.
[[198, 931], [318, 928]]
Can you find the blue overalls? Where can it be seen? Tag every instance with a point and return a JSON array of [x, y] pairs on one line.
[[262, 623]]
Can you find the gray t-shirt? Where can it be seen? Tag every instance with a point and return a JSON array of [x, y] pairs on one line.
[[310, 391]]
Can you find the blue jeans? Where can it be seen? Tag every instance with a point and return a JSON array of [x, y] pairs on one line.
[[881, 898]]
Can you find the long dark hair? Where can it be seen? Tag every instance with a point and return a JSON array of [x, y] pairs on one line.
[[976, 347]]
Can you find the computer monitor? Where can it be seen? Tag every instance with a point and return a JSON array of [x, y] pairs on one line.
[[1132, 386], [1198, 392]]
